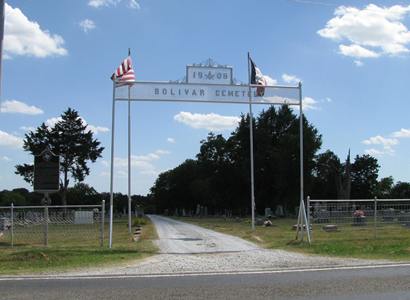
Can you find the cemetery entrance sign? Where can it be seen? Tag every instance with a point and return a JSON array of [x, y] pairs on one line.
[[206, 83]]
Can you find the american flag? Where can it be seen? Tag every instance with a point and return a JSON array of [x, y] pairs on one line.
[[125, 72], [257, 78]]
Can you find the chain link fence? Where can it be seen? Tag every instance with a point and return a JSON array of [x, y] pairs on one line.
[[360, 218], [52, 224]]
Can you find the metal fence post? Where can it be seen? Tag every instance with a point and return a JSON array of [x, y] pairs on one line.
[[375, 217], [12, 224], [102, 223], [46, 225]]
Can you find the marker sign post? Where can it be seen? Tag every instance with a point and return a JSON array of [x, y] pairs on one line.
[[46, 173]]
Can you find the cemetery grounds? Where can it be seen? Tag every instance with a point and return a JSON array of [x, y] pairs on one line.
[[390, 241]]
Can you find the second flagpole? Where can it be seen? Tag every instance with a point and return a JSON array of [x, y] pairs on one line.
[[251, 146]]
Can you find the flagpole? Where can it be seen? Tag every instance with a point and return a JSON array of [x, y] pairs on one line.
[[129, 158], [129, 153], [112, 164], [302, 200], [251, 146]]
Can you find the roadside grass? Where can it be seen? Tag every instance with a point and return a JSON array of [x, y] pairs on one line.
[[392, 242], [73, 247]]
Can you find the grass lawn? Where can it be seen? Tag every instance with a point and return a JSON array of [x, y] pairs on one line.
[[392, 242], [67, 250]]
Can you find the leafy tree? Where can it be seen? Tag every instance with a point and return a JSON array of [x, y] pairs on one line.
[[365, 171], [82, 193], [71, 140], [7, 198], [326, 172], [220, 177], [384, 187], [401, 190]]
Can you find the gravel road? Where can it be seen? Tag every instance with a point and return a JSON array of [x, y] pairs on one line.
[[187, 248], [182, 238]]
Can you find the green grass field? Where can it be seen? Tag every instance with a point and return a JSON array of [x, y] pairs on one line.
[[73, 247], [391, 242]]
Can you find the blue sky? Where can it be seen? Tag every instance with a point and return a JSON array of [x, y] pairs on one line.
[[352, 56]]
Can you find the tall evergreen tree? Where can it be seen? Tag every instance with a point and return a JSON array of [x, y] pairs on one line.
[[71, 140]]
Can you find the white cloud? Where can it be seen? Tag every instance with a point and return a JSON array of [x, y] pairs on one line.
[[95, 129], [309, 103], [162, 152], [143, 163], [212, 121], [18, 107], [402, 133], [100, 3], [358, 63], [374, 152], [270, 81], [134, 4], [290, 78], [387, 143], [27, 128], [25, 37], [6, 158], [171, 140], [52, 121], [9, 140], [87, 25], [357, 51], [371, 32]]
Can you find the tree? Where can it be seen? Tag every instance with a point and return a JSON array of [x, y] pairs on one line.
[[326, 176], [384, 187], [364, 173], [401, 190], [82, 193], [71, 140], [220, 177], [8, 198]]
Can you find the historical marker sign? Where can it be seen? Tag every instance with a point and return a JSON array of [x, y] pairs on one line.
[[46, 172]]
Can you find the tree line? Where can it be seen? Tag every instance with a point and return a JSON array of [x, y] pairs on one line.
[[219, 177]]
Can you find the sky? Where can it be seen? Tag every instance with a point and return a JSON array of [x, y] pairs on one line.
[[353, 58]]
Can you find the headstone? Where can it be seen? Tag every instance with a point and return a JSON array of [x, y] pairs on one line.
[[198, 209], [279, 211], [388, 215], [404, 218], [5, 224], [330, 228], [322, 216], [268, 212]]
